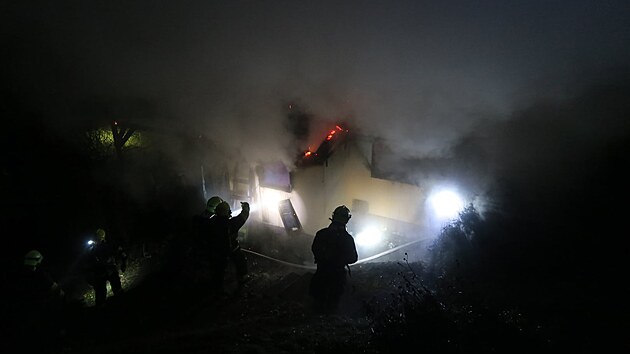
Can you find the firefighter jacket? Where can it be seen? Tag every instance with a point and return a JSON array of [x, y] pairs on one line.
[[333, 247], [226, 230]]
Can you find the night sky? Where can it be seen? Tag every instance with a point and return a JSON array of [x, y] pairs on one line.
[[423, 73], [530, 92], [526, 90]]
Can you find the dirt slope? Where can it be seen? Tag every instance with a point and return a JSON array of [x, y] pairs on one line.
[[272, 314]]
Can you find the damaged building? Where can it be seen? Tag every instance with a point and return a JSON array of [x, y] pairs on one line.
[[346, 168]]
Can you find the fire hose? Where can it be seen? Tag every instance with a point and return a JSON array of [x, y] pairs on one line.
[[313, 267]]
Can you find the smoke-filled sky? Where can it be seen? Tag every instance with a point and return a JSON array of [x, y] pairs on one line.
[[426, 74]]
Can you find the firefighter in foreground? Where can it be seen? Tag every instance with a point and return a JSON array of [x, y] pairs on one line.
[[37, 309], [203, 250], [334, 249], [225, 229], [104, 262]]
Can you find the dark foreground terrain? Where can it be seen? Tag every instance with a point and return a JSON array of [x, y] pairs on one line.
[[272, 314], [388, 307]]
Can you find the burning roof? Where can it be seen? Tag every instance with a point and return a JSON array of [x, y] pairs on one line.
[[326, 148]]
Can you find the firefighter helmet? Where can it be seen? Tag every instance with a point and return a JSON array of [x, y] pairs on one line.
[[223, 209], [212, 203], [33, 258], [100, 234], [341, 214]]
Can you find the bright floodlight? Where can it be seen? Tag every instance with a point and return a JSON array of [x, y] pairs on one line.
[[446, 204], [270, 198], [368, 237]]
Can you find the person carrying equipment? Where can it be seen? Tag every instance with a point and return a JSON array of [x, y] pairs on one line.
[[105, 261]]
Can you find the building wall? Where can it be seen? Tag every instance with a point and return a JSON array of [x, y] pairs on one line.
[[389, 199], [346, 177], [310, 187]]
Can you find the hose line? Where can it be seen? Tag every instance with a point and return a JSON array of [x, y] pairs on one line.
[[313, 267]]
